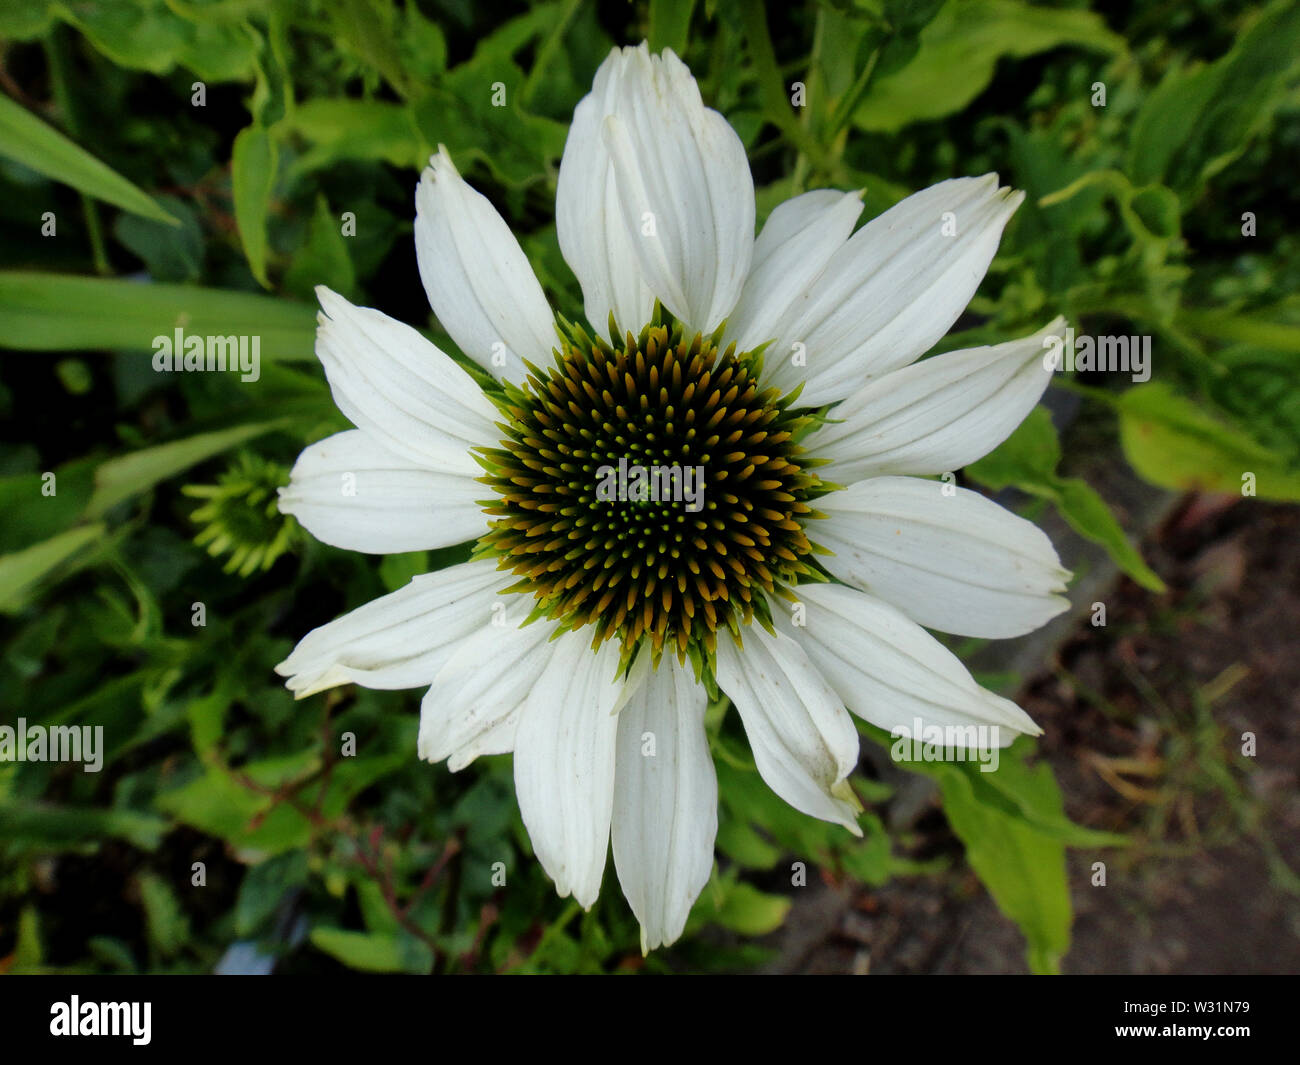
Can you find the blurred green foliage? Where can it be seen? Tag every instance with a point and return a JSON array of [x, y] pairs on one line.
[[207, 162]]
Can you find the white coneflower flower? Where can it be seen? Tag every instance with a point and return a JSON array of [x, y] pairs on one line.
[[588, 632]]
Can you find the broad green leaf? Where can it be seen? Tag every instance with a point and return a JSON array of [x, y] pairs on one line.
[[31, 515], [61, 312], [520, 148], [1022, 866], [374, 952], [252, 177], [740, 842], [1030, 793], [670, 20], [274, 774], [148, 35], [239, 812], [1261, 391], [1196, 122], [28, 140], [1013, 787], [1172, 442], [747, 910], [21, 570], [354, 129], [215, 804], [959, 50]]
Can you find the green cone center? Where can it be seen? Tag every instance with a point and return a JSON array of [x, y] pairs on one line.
[[652, 491]]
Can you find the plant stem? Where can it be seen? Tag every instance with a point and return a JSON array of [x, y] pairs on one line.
[[57, 60]]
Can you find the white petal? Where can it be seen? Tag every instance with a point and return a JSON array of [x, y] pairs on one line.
[[479, 282], [938, 415], [399, 640], [350, 492], [954, 562], [799, 238], [564, 762], [474, 703], [665, 802], [804, 744], [589, 217], [405, 393], [895, 288], [684, 186], [890, 671]]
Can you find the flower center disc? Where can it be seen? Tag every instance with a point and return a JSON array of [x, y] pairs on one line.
[[651, 490]]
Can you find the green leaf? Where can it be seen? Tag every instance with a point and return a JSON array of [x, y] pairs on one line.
[[1272, 327], [1261, 391], [747, 910], [28, 140], [1196, 123], [207, 718], [168, 254], [374, 952], [740, 842], [1022, 867], [252, 177], [367, 29], [1172, 442], [519, 147], [1028, 456], [166, 926], [1027, 460], [264, 887], [670, 20], [374, 908], [1013, 825], [323, 259], [1088, 515], [62, 312], [52, 827], [396, 571], [354, 129], [148, 35], [21, 21], [119, 479], [21, 570], [34, 516], [28, 951], [215, 804], [284, 770], [959, 50]]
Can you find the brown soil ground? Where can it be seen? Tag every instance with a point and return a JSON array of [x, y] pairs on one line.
[[1144, 723]]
